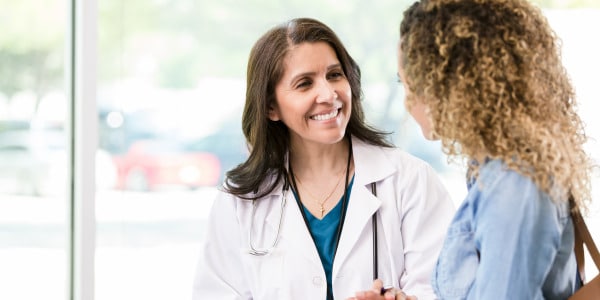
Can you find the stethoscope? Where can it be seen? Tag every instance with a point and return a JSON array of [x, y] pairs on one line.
[[264, 251]]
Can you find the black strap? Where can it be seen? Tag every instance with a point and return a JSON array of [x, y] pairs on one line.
[[374, 224]]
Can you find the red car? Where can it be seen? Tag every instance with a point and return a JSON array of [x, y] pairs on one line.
[[157, 163]]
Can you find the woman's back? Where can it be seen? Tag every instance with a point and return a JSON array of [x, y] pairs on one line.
[[507, 238]]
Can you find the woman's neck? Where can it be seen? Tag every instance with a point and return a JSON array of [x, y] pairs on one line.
[[315, 161], [320, 174]]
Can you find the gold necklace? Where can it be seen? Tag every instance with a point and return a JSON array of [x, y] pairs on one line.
[[322, 203]]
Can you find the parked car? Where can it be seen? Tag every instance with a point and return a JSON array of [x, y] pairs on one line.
[[151, 164], [227, 143]]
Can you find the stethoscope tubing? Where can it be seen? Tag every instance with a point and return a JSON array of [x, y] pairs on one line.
[[264, 251]]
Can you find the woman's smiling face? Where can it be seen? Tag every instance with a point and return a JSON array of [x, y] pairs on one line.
[[313, 97]]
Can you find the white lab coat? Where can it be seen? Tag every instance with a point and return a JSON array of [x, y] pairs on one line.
[[414, 210]]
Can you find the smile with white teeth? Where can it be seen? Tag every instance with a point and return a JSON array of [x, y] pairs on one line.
[[324, 117]]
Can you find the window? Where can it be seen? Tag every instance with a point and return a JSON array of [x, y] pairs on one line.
[[34, 159]]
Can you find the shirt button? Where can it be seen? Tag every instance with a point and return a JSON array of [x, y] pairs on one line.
[[318, 281]]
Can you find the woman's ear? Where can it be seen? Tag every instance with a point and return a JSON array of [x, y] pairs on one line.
[[274, 112]]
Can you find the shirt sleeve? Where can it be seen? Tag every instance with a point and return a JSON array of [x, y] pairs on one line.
[[427, 210], [219, 273], [517, 234]]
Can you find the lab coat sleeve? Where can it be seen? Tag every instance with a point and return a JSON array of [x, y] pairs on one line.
[[427, 210], [219, 273]]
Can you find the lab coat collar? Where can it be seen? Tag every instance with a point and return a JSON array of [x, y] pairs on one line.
[[362, 205], [371, 164]]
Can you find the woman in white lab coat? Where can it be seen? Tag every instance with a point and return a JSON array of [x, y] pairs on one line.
[[284, 225]]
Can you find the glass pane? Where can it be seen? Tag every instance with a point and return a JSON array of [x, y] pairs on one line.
[[580, 56], [170, 93], [33, 150]]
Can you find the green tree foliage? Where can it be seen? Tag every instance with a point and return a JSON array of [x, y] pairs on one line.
[[32, 45]]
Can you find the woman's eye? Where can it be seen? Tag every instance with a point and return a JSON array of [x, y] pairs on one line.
[[303, 84], [335, 75]]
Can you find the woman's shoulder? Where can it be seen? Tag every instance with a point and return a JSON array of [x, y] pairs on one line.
[[405, 160], [388, 155], [495, 172], [266, 187], [397, 163], [502, 196], [224, 200], [503, 188]]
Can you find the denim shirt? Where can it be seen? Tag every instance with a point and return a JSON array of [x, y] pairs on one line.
[[508, 240]]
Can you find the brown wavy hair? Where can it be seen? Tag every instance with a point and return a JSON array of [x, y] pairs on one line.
[[269, 141], [491, 73]]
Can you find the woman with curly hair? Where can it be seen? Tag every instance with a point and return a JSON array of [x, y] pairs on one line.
[[485, 77]]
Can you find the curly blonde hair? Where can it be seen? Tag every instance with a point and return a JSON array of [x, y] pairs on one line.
[[491, 73]]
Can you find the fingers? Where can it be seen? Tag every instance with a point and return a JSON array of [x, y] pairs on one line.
[[378, 292], [389, 295], [394, 294], [377, 286], [367, 295], [397, 294]]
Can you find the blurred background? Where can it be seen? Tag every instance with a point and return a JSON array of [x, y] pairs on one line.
[[170, 89]]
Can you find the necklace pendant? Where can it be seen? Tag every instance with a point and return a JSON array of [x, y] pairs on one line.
[[322, 210]]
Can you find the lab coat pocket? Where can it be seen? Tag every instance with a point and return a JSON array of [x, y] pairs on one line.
[[457, 262], [265, 273]]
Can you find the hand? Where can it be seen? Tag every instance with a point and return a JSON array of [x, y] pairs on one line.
[[375, 293]]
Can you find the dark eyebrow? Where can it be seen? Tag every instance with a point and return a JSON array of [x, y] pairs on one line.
[[301, 75], [334, 66], [308, 74]]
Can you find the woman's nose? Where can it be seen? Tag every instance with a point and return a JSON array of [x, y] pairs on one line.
[[326, 93]]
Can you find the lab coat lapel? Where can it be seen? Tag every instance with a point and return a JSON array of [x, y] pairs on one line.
[[370, 165], [361, 207]]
